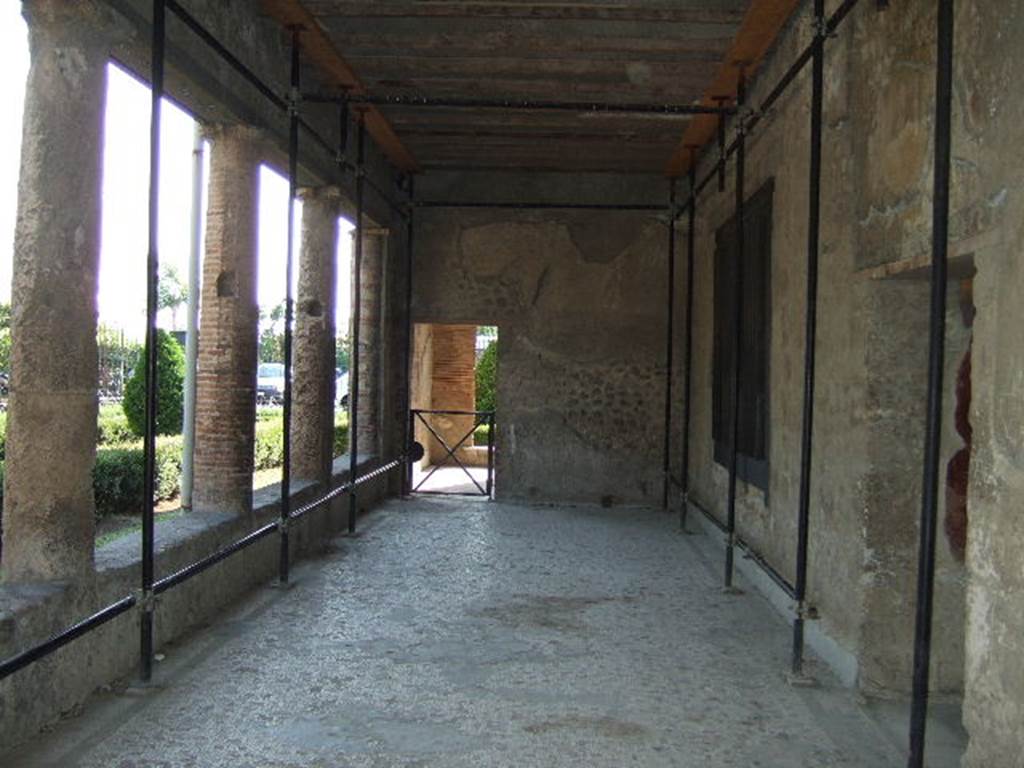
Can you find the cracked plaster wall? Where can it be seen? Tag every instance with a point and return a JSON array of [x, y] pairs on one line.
[[578, 298]]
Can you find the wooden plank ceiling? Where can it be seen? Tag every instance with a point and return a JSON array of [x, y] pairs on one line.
[[652, 51]]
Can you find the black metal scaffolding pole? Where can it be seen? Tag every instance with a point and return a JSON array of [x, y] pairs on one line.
[[936, 360], [810, 332], [357, 268], [541, 206], [520, 104], [737, 358], [152, 277], [407, 414], [289, 307], [669, 341], [688, 358]]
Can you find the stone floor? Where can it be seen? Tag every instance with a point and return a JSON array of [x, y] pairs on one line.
[[467, 633], [450, 479]]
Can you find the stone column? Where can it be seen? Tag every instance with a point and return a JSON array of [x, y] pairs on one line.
[[48, 516], [453, 387], [313, 347], [374, 247], [229, 326]]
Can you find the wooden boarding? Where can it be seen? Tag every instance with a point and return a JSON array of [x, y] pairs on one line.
[[318, 49], [761, 25]]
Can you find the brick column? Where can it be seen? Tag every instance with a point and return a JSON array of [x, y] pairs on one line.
[[374, 246], [313, 346], [454, 385], [229, 326], [48, 515]]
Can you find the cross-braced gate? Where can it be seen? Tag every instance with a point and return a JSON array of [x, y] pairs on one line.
[[480, 418]]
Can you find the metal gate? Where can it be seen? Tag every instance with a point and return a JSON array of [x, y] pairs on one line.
[[451, 458]]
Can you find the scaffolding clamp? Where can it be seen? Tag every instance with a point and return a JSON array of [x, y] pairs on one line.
[[819, 25], [294, 99], [145, 600]]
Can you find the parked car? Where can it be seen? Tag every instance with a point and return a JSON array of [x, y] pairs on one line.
[[270, 383]]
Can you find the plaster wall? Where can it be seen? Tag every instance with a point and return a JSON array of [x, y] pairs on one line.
[[579, 298], [988, 223], [871, 355]]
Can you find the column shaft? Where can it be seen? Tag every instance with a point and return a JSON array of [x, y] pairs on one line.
[[374, 246], [313, 387], [229, 326], [48, 516]]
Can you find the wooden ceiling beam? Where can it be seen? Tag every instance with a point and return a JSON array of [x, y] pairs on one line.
[[318, 49], [655, 12], [761, 25]]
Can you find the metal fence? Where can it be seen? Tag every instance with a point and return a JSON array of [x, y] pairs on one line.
[[451, 456]]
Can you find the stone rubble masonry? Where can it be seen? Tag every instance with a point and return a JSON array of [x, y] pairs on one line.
[[312, 429], [48, 517], [453, 386], [228, 334], [368, 422]]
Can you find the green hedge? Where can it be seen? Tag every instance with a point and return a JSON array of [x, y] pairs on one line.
[[118, 474], [112, 426]]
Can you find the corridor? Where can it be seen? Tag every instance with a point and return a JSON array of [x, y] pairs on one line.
[[464, 633]]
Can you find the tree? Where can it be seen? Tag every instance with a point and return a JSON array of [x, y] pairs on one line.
[[342, 353], [487, 378], [171, 292], [271, 346], [5, 338], [170, 367]]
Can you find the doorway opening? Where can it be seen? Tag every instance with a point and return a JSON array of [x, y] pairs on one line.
[[454, 393]]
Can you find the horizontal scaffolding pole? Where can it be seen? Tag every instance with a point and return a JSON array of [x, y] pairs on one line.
[[48, 646], [543, 206], [747, 548], [755, 117], [280, 102], [25, 658], [520, 104], [186, 573]]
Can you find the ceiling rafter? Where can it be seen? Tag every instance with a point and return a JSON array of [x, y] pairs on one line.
[[318, 49], [761, 26]]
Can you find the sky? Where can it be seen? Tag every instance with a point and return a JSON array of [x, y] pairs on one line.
[[124, 238]]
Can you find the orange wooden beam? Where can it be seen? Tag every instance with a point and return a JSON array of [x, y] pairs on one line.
[[318, 48], [761, 25]]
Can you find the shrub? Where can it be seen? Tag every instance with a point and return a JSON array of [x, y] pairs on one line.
[[3, 435], [119, 474], [487, 378], [112, 426], [170, 389], [269, 448]]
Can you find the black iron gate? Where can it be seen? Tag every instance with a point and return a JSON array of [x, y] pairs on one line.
[[480, 418]]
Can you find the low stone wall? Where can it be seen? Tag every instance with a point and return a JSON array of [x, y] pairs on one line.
[[29, 613]]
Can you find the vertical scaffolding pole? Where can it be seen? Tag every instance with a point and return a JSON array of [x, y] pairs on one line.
[[409, 434], [936, 360], [688, 359], [721, 145], [810, 331], [669, 340], [357, 267], [734, 394], [152, 272], [289, 308], [192, 322]]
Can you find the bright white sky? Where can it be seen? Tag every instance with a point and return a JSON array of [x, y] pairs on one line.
[[122, 293]]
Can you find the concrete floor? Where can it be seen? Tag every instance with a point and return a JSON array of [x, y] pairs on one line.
[[467, 633]]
